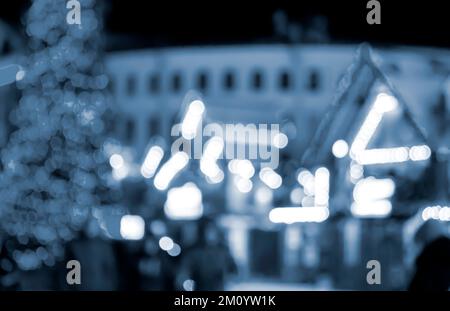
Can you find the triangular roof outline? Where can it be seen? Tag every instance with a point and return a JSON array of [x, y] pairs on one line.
[[320, 146]]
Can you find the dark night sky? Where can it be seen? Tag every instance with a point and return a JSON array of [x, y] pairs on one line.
[[149, 23]]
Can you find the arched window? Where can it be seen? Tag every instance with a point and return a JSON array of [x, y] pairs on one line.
[[257, 81], [285, 80], [202, 81], [229, 82], [176, 82], [314, 80], [129, 130], [153, 126], [154, 83], [131, 85]]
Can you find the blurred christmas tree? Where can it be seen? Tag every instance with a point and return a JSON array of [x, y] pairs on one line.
[[53, 171]]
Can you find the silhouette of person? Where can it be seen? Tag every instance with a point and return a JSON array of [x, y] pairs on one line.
[[433, 263], [209, 261]]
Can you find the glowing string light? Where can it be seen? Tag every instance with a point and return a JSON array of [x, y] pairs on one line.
[[152, 161], [170, 169]]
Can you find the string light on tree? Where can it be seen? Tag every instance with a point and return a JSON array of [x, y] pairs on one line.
[[54, 174]]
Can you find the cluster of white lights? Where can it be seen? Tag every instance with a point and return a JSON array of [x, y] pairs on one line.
[[170, 169], [290, 215], [419, 153], [314, 204], [384, 103], [393, 155], [371, 197], [436, 212], [372, 189], [189, 285], [356, 171], [316, 187], [321, 187], [184, 203], [269, 177], [340, 148], [306, 180], [132, 227], [168, 245], [120, 168], [152, 161], [374, 209], [244, 185], [243, 170], [280, 140], [116, 161], [208, 163], [192, 119], [366, 132]]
